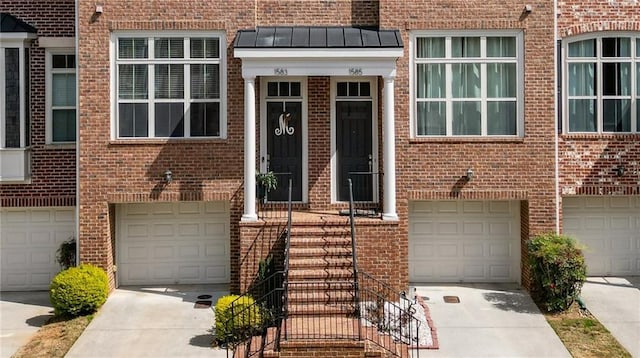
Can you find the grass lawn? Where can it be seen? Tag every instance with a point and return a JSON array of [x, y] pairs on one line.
[[583, 335], [55, 338]]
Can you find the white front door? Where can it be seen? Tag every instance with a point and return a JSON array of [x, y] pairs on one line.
[[173, 243], [464, 241], [609, 227]]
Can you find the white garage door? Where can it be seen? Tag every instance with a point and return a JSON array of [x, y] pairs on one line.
[[609, 227], [173, 243], [29, 239], [464, 241]]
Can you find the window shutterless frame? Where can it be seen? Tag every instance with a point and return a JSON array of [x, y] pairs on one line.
[[601, 87], [167, 62], [63, 93], [466, 61]]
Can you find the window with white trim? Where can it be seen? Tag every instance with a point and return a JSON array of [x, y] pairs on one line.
[[169, 86], [61, 96], [602, 87], [467, 85]]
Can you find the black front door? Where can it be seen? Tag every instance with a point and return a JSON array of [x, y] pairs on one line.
[[354, 149], [284, 148]]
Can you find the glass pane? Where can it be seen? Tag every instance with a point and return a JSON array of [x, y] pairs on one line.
[[64, 125], [365, 89], [616, 115], [466, 80], [63, 89], [205, 48], [283, 89], [638, 83], [501, 47], [616, 47], [133, 120], [205, 82], [169, 120], [430, 47], [431, 118], [27, 99], [466, 118], [295, 89], [582, 115], [582, 79], [585, 48], [501, 118], [501, 80], [638, 48], [132, 82], [354, 89], [431, 80], [169, 47], [205, 119], [465, 47], [132, 48], [12, 98], [63, 61], [169, 81], [342, 89], [616, 79], [272, 89]]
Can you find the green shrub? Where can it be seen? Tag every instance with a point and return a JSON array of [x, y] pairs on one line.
[[558, 270], [247, 318], [79, 290]]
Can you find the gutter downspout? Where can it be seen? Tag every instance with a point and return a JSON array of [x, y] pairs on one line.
[[555, 110], [77, 33]]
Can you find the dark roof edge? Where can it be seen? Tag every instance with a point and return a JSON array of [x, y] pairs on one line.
[[10, 23]]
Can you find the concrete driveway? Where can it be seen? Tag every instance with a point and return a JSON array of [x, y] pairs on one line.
[[152, 322], [21, 315], [491, 320], [615, 302]]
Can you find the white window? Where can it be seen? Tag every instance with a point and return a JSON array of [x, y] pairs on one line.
[[467, 84], [169, 86], [61, 96], [601, 81]]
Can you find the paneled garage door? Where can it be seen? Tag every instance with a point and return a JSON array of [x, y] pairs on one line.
[[173, 243], [610, 228], [464, 241], [29, 238]]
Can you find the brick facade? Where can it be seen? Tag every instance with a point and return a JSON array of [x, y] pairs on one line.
[[588, 162], [53, 169]]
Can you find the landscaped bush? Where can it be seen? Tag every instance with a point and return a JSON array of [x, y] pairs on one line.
[[79, 290], [558, 270], [247, 318]]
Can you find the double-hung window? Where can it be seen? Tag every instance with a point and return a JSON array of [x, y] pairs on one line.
[[170, 86], [61, 96], [602, 87], [467, 84]]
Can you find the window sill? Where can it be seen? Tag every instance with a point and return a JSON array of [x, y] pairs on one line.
[[600, 136], [54, 146], [165, 141], [466, 140]]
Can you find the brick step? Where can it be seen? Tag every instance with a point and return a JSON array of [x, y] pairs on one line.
[[320, 263], [314, 242], [321, 231], [320, 296], [265, 343], [325, 274], [300, 253], [306, 284], [321, 309]]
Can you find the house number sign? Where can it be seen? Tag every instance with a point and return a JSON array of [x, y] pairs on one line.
[[280, 71], [284, 128], [355, 71]]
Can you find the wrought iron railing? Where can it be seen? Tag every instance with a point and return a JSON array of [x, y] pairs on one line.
[[363, 194], [272, 209]]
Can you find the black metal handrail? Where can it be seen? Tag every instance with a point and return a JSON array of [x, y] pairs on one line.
[[274, 209], [354, 257], [286, 262]]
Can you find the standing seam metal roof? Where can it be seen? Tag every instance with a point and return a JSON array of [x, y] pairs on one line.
[[317, 37]]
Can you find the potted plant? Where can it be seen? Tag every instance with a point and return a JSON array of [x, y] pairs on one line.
[[266, 182]]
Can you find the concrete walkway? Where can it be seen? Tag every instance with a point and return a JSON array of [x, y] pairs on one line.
[[152, 322], [21, 315], [491, 320], [615, 302]]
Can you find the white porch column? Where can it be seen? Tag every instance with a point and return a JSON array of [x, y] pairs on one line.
[[249, 213], [389, 151]]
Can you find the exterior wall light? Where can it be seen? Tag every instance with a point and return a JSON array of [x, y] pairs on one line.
[[168, 177], [468, 175], [620, 170]]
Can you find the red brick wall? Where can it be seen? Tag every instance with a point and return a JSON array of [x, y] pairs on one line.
[[521, 169], [53, 168], [588, 162]]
